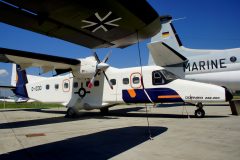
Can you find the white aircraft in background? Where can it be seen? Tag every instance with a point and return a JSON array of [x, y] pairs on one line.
[[6, 99], [84, 85], [15, 99], [220, 67]]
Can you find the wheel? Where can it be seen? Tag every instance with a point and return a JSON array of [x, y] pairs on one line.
[[71, 113], [104, 111], [199, 113]]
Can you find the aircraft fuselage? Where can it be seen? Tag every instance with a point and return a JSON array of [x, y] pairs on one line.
[[159, 86]]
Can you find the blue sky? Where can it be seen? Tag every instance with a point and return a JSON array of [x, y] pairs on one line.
[[209, 24]]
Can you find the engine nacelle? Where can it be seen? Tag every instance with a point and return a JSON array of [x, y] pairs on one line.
[[88, 67]]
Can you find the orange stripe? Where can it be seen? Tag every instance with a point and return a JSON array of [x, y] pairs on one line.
[[132, 93], [16, 77], [170, 96]]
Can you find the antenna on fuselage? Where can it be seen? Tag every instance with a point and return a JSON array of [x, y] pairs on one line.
[[177, 19]]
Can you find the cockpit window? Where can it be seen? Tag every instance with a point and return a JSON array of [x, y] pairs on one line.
[[157, 78], [169, 75], [162, 77]]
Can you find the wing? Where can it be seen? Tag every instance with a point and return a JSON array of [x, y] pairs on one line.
[[91, 23], [46, 62], [164, 55]]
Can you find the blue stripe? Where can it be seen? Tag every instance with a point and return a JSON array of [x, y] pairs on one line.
[[141, 97], [153, 93]]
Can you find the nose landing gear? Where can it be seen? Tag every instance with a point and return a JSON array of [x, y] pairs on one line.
[[199, 113], [71, 113]]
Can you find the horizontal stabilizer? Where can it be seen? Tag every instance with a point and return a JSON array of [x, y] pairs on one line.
[[164, 55], [7, 87]]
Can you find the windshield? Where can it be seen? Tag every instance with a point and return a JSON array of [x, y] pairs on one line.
[[169, 75]]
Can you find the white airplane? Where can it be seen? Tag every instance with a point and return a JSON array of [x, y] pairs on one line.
[[15, 99], [220, 67], [84, 85], [6, 99]]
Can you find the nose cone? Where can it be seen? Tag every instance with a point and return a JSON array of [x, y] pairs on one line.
[[102, 66], [228, 95]]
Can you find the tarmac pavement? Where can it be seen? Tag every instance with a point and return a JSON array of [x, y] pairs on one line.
[[44, 134]]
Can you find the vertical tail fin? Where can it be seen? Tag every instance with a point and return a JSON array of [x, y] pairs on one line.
[[19, 79], [167, 35]]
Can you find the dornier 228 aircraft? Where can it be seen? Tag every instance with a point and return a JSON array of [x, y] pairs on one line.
[[95, 24], [86, 88]]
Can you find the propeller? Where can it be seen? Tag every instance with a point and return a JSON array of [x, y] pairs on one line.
[[101, 66]]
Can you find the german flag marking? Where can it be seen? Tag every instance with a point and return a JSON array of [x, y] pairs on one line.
[[165, 34]]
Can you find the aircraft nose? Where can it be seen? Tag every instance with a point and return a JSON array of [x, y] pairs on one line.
[[228, 95]]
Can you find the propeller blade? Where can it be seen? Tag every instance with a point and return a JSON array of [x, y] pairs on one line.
[[110, 84], [90, 84], [107, 57], [96, 57]]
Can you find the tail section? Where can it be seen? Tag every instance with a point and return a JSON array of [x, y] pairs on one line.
[[14, 75], [167, 36], [19, 79], [168, 33]]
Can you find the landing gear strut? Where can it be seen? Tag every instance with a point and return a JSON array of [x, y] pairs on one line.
[[71, 113], [199, 113]]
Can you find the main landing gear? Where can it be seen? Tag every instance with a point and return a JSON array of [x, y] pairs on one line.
[[104, 111], [199, 113], [71, 113]]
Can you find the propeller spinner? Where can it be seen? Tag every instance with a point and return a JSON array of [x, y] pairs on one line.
[[101, 66]]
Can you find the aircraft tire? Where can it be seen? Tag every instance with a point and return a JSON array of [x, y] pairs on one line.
[[104, 111], [199, 113], [70, 113]]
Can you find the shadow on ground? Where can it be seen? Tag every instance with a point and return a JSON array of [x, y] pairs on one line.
[[141, 112], [51, 120], [113, 114], [97, 146]]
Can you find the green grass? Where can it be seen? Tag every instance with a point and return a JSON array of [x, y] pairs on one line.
[[29, 105]]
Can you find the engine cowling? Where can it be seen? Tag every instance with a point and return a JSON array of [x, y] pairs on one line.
[[88, 67]]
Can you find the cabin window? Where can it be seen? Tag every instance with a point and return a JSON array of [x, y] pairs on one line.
[[157, 78], [47, 87], [125, 81], [75, 84], [136, 80], [113, 81], [96, 83], [66, 85], [56, 86]]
